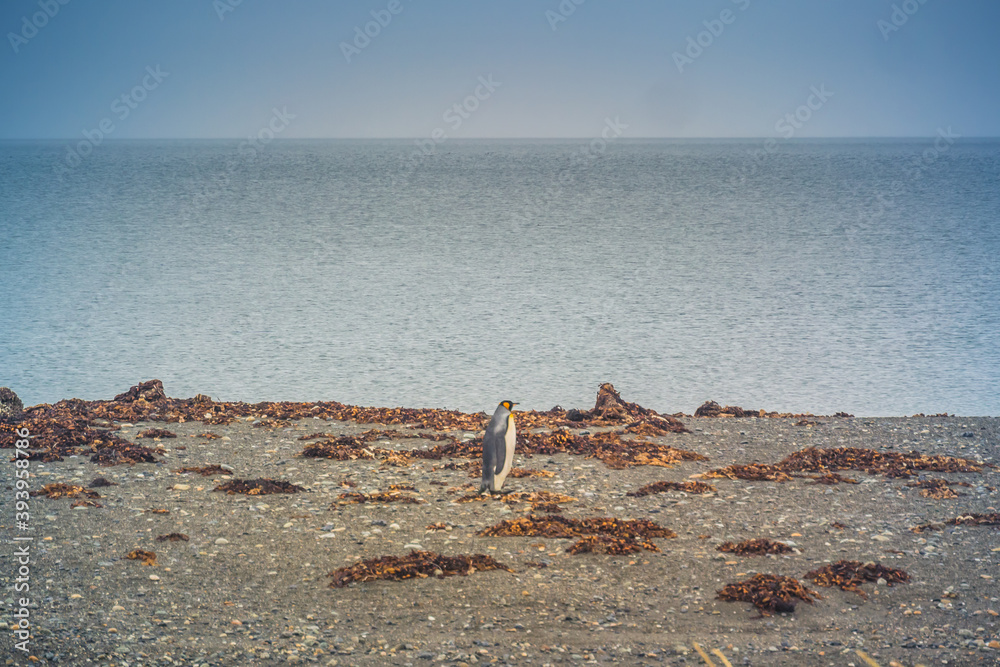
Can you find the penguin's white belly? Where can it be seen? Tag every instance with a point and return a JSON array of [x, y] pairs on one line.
[[510, 440]]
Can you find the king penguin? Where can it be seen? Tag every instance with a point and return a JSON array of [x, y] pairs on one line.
[[498, 448]]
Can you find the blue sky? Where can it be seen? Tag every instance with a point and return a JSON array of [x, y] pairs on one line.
[[228, 68]]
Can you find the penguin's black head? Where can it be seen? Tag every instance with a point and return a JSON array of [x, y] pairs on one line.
[[508, 404]]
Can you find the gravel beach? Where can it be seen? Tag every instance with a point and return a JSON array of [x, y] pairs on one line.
[[250, 584]]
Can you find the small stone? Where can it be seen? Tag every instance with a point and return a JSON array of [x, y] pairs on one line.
[[881, 582], [118, 607], [153, 577], [181, 487], [222, 540], [413, 545]]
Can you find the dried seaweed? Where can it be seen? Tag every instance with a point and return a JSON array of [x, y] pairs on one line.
[[526, 472], [117, 453], [420, 564], [976, 520], [825, 461], [84, 503], [607, 544], [258, 487], [889, 464], [759, 546], [838, 525], [557, 526], [60, 490], [342, 448], [173, 537], [402, 487], [378, 497], [440, 525], [205, 471], [754, 472], [849, 574], [147, 557], [829, 478], [157, 433], [924, 527], [939, 489], [661, 487], [209, 436], [769, 593], [100, 481]]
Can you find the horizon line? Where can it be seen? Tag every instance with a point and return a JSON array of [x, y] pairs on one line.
[[466, 139]]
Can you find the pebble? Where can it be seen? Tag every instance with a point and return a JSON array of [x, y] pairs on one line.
[[153, 577], [222, 540], [413, 545], [181, 487]]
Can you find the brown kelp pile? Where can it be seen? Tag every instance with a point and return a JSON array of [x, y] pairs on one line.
[[557, 526], [661, 487], [156, 433], [825, 461], [145, 557], [759, 546], [378, 497], [87, 427], [770, 593], [608, 544], [753, 472], [939, 489], [60, 490], [173, 537], [976, 520], [850, 574], [258, 487], [419, 564]]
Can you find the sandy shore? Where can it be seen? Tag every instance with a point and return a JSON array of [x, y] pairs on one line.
[[251, 584]]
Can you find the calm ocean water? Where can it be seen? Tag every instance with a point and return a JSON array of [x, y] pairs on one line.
[[822, 276]]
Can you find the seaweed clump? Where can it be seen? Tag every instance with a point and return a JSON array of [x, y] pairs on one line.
[[123, 451], [759, 546], [557, 526], [173, 537], [754, 472], [976, 520], [769, 593], [826, 461], [378, 497], [416, 564], [938, 489], [849, 574], [608, 544], [60, 490], [157, 433], [660, 487], [258, 487], [146, 557]]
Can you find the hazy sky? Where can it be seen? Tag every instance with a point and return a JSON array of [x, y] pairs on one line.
[[230, 68]]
